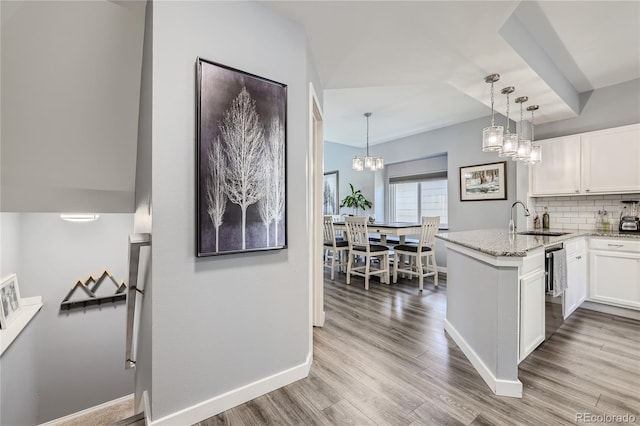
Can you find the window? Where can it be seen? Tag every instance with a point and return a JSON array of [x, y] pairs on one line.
[[412, 197]]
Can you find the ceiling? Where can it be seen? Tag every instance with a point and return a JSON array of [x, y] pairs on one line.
[[420, 65]]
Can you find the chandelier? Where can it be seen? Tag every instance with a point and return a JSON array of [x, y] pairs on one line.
[[505, 143], [367, 162]]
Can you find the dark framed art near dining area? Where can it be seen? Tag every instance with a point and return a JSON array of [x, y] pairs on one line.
[[241, 129]]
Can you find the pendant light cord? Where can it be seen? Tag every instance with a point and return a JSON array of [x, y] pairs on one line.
[[492, 113]]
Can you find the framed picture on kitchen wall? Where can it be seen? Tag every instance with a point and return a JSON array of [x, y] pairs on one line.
[[10, 302], [330, 195], [483, 182], [241, 129]]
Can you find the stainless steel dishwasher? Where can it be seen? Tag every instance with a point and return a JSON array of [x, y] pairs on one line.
[[553, 306]]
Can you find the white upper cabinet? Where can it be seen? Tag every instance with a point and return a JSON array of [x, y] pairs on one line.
[[611, 160], [606, 161], [559, 171]]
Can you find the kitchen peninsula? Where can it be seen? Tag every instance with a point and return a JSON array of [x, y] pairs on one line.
[[496, 300]]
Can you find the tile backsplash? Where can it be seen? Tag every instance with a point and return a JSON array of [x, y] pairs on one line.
[[579, 212]]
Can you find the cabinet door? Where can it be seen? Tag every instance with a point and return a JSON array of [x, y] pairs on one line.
[[576, 292], [531, 312], [611, 160], [559, 171], [615, 278]]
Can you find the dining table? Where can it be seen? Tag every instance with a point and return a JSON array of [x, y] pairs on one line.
[[384, 229]]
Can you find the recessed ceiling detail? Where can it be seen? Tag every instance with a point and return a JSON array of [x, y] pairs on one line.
[[420, 65]]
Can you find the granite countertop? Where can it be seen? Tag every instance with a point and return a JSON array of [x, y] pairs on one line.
[[498, 242]]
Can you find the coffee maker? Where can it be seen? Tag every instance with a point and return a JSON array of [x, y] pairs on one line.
[[629, 218]]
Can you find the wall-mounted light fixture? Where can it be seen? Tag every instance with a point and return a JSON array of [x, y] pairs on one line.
[[79, 217]]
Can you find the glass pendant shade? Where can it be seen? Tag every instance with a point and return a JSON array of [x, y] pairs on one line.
[[367, 162], [509, 145], [492, 138], [524, 151], [536, 155], [492, 135], [357, 164]]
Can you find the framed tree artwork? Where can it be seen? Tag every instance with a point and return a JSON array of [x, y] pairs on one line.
[[241, 128], [330, 196]]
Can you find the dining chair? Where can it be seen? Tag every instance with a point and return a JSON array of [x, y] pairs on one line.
[[359, 245], [335, 248], [424, 249]]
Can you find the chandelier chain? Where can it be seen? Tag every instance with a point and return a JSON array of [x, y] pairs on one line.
[[492, 113], [532, 125], [508, 113]]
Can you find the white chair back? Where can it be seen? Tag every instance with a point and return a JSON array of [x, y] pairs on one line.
[[429, 230], [357, 233], [328, 231]]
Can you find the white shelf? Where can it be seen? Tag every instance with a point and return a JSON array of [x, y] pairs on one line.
[[30, 307]]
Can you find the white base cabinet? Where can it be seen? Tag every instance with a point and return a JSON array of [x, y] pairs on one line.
[[531, 312], [614, 272], [576, 292]]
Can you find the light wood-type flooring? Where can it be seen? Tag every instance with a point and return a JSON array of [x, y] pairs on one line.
[[383, 358]]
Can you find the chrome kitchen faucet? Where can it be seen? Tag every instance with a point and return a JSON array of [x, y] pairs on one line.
[[512, 225]]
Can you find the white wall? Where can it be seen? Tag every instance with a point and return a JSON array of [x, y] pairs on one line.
[[463, 145], [70, 88], [80, 354], [9, 243], [611, 106], [224, 322], [338, 157], [18, 365]]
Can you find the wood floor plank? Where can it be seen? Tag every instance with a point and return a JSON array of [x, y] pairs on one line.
[[383, 358], [344, 413]]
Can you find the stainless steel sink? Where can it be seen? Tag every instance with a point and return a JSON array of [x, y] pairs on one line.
[[544, 233]]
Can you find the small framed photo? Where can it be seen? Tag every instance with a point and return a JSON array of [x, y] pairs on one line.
[[330, 197], [10, 300], [483, 182]]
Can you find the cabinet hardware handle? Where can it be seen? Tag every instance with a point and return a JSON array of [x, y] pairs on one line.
[[578, 257], [587, 190], [615, 245]]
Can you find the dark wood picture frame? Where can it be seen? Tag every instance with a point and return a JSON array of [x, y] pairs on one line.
[[484, 182], [331, 193], [241, 161]]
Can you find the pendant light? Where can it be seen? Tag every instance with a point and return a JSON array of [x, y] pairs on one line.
[[367, 162], [535, 156], [509, 140], [523, 152], [492, 135]]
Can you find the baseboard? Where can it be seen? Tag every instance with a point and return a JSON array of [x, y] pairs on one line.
[[320, 322], [87, 411], [609, 309], [203, 410], [512, 388], [146, 407]]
